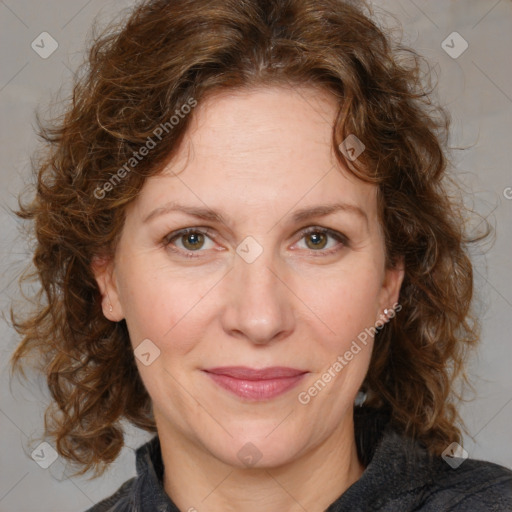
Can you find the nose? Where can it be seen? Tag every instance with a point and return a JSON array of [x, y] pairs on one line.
[[259, 305]]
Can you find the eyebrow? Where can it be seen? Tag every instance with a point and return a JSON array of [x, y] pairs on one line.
[[328, 209], [298, 216]]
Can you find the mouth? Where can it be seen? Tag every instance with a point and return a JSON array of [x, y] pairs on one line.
[[256, 384]]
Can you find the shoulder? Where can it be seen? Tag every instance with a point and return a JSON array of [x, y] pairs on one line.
[[401, 474], [473, 486], [120, 501]]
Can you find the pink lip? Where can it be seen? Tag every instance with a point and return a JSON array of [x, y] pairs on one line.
[[256, 384]]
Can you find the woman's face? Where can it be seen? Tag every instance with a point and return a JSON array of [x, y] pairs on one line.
[[256, 291]]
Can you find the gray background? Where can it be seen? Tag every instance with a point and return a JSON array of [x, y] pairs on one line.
[[477, 89]]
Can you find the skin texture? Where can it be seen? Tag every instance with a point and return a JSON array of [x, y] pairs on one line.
[[256, 156]]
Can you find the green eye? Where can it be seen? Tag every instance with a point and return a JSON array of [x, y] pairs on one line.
[[317, 239]]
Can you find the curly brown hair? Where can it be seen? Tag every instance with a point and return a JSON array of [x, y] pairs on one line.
[[139, 73]]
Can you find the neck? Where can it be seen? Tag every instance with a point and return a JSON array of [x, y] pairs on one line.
[[197, 481]]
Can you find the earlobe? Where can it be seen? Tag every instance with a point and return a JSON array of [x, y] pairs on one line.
[[104, 273]]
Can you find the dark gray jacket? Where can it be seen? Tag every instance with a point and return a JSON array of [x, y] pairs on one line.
[[399, 477]]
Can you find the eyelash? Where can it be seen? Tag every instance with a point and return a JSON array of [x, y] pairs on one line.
[[167, 241]]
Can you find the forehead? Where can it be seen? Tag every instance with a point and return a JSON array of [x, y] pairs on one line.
[[257, 128], [265, 149]]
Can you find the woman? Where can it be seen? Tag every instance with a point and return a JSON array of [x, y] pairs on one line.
[[246, 246]]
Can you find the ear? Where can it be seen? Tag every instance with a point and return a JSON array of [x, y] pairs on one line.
[[103, 269], [391, 286]]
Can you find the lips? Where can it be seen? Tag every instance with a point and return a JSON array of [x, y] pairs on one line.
[[243, 372], [256, 384]]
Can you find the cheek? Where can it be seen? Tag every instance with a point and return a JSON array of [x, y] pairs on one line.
[[345, 301], [166, 307], [347, 304]]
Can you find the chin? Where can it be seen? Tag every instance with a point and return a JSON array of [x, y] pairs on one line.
[[257, 450]]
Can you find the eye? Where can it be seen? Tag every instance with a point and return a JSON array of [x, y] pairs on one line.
[[191, 240], [317, 239]]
